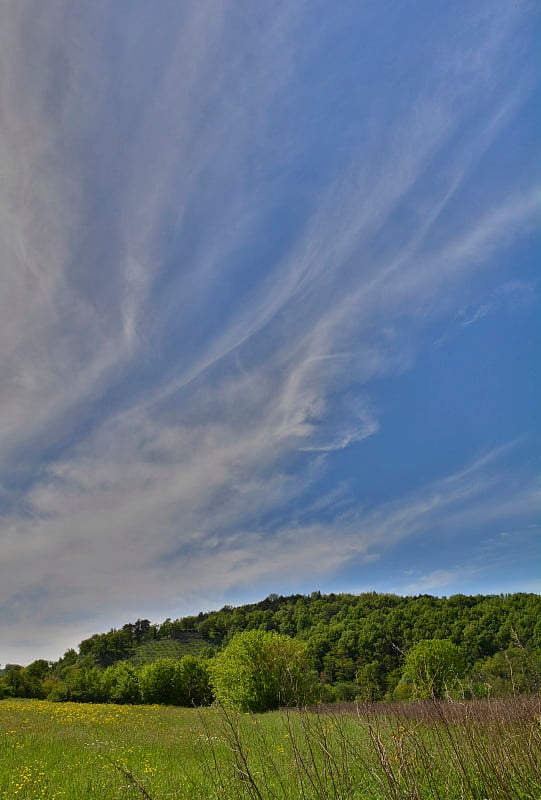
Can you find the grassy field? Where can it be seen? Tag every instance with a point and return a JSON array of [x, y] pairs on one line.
[[453, 751]]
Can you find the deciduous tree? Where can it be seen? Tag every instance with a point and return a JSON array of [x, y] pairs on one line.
[[262, 670], [432, 665]]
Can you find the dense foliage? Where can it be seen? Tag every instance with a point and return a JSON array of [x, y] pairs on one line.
[[261, 670], [357, 646], [432, 667]]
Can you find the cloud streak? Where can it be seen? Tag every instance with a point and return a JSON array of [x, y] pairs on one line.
[[204, 277]]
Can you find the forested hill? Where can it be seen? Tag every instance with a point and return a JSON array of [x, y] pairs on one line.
[[356, 645], [349, 637]]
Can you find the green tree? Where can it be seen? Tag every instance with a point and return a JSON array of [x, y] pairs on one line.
[[84, 685], [54, 689], [183, 682], [511, 671], [195, 681], [432, 665], [369, 679], [161, 682], [120, 683], [262, 670], [14, 681], [34, 676]]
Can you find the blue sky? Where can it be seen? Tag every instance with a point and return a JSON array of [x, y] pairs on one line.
[[269, 308]]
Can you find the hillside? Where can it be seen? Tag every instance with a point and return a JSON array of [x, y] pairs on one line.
[[356, 644], [347, 635]]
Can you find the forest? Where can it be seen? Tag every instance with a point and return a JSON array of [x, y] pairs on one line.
[[339, 647]]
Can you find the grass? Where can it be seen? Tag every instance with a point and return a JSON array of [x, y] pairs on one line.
[[71, 750], [478, 750]]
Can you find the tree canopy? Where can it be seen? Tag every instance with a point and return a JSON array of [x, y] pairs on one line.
[[357, 646]]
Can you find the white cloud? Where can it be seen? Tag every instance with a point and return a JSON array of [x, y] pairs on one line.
[[440, 579]]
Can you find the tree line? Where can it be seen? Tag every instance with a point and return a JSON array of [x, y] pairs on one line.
[[321, 647]]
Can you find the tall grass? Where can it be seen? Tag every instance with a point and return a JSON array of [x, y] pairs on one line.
[[432, 750]]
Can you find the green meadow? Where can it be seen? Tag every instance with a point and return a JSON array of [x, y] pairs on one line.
[[478, 750]]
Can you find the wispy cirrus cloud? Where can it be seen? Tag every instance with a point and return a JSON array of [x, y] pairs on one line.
[[196, 534], [204, 275]]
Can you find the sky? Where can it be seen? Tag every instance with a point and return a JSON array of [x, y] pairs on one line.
[[269, 307]]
